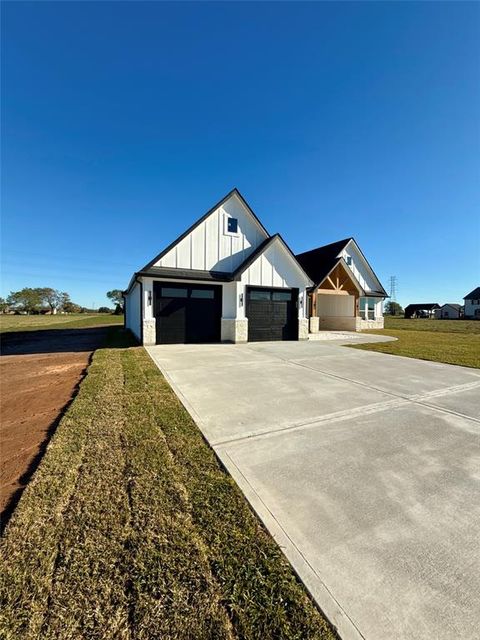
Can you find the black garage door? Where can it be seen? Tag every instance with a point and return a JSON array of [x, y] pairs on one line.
[[272, 314], [187, 313]]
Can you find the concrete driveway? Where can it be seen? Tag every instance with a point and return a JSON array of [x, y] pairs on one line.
[[365, 467]]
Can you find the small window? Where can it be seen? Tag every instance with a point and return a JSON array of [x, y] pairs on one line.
[[260, 295], [232, 225], [284, 296], [348, 260], [174, 292], [202, 293]]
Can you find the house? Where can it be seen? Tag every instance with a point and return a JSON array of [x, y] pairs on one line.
[[225, 279], [472, 305], [450, 311], [347, 295], [421, 310]]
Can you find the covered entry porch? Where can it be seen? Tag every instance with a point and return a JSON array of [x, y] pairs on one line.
[[339, 303]]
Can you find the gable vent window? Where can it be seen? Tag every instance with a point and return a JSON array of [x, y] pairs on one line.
[[232, 225], [348, 260]]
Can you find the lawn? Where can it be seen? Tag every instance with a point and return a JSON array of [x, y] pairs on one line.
[[450, 341], [11, 323], [130, 528]]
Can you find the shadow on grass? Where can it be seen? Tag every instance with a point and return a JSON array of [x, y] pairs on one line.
[[62, 340]]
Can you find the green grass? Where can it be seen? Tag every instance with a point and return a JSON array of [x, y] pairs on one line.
[[10, 323], [130, 528], [449, 341]]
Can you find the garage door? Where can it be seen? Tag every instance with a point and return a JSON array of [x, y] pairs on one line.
[[187, 313], [272, 314]]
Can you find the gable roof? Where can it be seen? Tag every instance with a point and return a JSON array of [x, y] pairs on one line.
[[233, 192], [423, 306], [261, 249], [473, 295], [319, 262], [452, 304]]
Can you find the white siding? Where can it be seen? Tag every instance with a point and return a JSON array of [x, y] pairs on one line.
[[209, 248], [360, 268], [472, 307], [275, 267], [132, 311]]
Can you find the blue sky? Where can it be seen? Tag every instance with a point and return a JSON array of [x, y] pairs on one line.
[[124, 122]]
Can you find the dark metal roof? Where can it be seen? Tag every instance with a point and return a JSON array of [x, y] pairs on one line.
[[423, 306], [318, 263], [186, 274], [473, 295]]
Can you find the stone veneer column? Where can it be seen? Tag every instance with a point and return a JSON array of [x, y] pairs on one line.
[[234, 330], [149, 332], [314, 324], [303, 329]]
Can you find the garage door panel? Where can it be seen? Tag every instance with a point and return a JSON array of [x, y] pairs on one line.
[[187, 313], [272, 314]]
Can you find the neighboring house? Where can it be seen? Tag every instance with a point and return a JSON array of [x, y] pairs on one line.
[[347, 295], [225, 279], [449, 311], [421, 310], [472, 305]]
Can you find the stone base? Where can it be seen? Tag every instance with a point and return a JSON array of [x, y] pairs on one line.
[[378, 323], [303, 328], [233, 330], [347, 323], [314, 324], [149, 332]]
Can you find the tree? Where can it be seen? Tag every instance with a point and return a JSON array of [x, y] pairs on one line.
[[3, 305], [393, 309], [115, 295], [104, 310], [53, 298], [27, 299]]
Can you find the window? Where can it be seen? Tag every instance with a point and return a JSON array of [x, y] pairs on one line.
[[348, 260], [260, 295], [174, 292], [367, 308], [232, 225], [282, 296], [202, 293]]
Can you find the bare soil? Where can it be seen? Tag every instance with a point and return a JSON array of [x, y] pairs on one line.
[[39, 372]]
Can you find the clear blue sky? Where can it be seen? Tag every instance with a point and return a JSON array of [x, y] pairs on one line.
[[124, 122]]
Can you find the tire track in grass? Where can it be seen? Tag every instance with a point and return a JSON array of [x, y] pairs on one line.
[[29, 549], [174, 594], [88, 598]]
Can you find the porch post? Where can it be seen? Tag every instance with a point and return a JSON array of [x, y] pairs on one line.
[[314, 323]]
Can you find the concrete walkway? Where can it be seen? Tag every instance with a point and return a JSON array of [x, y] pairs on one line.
[[364, 466]]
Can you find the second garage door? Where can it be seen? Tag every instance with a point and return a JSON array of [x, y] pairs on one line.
[[272, 314], [187, 313]]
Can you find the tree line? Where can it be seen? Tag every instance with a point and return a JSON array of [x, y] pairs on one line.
[[45, 299]]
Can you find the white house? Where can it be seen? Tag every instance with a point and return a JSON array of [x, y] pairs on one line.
[[449, 311], [472, 305], [225, 279], [347, 295]]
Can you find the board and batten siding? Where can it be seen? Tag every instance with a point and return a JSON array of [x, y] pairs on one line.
[[208, 248], [359, 268], [275, 268], [132, 311]]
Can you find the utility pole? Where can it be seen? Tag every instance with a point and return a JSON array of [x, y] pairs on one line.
[[393, 288]]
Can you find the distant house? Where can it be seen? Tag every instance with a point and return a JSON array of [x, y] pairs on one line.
[[449, 311], [421, 310], [472, 305]]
